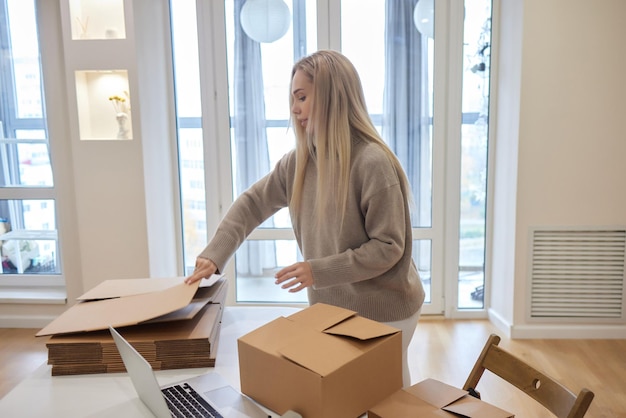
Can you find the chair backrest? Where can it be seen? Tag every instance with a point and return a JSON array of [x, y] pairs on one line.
[[552, 395]]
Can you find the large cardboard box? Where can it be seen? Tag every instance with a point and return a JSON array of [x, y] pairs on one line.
[[432, 398], [322, 362]]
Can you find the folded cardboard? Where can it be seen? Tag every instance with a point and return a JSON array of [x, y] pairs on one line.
[[129, 306], [322, 362], [432, 398], [165, 345], [185, 338]]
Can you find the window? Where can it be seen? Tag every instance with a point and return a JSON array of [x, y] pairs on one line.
[[405, 88], [28, 236]]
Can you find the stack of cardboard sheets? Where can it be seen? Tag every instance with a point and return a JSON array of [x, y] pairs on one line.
[[173, 325]]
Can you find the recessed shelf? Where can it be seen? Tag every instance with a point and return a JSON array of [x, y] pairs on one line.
[[97, 19], [104, 105]]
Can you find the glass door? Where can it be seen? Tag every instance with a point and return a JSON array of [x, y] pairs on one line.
[[406, 77]]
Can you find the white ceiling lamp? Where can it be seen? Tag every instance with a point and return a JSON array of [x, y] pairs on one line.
[[424, 17], [265, 20]]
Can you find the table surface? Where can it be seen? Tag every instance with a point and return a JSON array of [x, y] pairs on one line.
[[112, 394]]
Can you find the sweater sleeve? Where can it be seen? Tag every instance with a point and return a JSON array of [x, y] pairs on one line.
[[264, 198]]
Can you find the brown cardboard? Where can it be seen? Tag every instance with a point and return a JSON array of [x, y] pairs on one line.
[[432, 398], [322, 362], [130, 308], [185, 338], [165, 345], [116, 288]]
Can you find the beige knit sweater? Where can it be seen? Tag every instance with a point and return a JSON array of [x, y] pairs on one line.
[[366, 265]]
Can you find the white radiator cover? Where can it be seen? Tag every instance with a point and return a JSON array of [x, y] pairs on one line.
[[577, 274]]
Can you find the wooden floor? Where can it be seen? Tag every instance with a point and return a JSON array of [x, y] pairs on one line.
[[444, 350]]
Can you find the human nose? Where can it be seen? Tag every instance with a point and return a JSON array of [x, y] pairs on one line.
[[295, 109]]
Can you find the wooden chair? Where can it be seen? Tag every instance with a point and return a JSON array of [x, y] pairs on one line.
[[552, 395]]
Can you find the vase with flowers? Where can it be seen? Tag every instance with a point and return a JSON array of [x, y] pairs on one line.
[[122, 114]]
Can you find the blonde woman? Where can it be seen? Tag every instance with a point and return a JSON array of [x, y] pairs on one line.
[[348, 199]]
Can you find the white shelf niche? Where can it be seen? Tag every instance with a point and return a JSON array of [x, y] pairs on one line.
[[97, 19], [104, 105]]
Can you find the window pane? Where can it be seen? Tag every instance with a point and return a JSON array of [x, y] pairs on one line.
[[28, 237], [363, 42], [192, 194], [190, 134], [186, 58], [257, 262], [24, 154], [28, 234], [259, 74], [25, 58], [474, 140]]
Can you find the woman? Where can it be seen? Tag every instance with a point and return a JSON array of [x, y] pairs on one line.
[[348, 199]]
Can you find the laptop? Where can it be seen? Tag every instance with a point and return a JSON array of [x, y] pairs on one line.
[[209, 392]]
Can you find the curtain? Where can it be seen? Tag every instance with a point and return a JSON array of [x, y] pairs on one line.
[[406, 116], [250, 137], [406, 122]]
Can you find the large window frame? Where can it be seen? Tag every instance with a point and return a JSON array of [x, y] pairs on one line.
[[16, 198], [447, 126]]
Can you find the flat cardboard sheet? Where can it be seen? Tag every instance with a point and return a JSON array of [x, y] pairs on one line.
[[110, 289], [121, 311]]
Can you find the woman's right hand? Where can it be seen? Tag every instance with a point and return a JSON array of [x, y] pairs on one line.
[[205, 268]]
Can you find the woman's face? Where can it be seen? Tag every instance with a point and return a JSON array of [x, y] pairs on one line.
[[302, 91]]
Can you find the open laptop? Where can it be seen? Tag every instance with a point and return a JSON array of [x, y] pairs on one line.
[[209, 390]]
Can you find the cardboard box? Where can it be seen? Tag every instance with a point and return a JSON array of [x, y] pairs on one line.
[[432, 398], [321, 362]]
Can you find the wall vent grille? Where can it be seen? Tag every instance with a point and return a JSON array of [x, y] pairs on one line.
[[577, 273]]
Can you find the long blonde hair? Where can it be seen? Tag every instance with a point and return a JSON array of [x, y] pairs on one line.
[[338, 114]]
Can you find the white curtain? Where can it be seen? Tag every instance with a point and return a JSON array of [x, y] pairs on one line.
[[250, 136], [406, 120]]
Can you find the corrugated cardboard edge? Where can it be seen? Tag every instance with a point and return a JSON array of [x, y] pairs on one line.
[[119, 312]]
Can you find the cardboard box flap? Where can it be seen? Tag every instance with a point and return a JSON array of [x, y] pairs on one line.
[[109, 289], [471, 407], [117, 288], [274, 335], [204, 295], [321, 316], [432, 398], [401, 401], [361, 328], [436, 393], [123, 311], [320, 353]]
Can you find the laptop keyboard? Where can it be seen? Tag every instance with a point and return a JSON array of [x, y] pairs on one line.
[[185, 402]]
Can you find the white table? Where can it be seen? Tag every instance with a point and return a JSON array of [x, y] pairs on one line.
[[112, 394]]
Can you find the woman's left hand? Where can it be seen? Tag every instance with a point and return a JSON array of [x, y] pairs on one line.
[[295, 277]]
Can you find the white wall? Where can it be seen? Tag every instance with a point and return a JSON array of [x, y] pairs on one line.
[[116, 199], [570, 148]]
